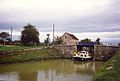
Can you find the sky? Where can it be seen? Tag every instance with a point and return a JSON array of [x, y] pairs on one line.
[[83, 18]]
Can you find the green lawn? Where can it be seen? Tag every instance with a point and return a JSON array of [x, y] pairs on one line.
[[110, 71], [13, 47]]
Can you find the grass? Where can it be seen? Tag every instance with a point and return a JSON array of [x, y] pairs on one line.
[[31, 55], [110, 71], [13, 47]]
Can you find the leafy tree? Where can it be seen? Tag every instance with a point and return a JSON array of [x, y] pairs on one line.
[[58, 41], [118, 44], [87, 40], [97, 41], [47, 40], [4, 37], [29, 35]]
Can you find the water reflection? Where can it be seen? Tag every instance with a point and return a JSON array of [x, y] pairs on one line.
[[11, 76], [86, 68], [52, 76], [50, 70]]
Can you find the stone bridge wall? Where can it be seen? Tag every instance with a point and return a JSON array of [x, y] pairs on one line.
[[66, 50], [101, 52]]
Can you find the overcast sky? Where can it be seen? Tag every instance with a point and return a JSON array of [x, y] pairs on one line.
[[84, 18]]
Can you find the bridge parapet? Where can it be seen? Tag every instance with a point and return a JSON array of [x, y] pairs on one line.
[[103, 52]]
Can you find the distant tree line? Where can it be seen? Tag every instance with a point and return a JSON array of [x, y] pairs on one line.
[[57, 41], [5, 38], [87, 40], [30, 36]]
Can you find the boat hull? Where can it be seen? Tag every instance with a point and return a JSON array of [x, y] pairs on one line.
[[82, 59]]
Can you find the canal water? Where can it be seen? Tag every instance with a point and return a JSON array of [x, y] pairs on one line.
[[49, 70]]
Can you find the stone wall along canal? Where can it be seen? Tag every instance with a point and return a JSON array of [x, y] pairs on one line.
[[50, 70]]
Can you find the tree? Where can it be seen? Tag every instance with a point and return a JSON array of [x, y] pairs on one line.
[[97, 41], [58, 41], [87, 40], [47, 40], [4, 37], [29, 35], [118, 44]]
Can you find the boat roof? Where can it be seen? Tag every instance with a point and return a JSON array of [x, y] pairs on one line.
[[86, 44]]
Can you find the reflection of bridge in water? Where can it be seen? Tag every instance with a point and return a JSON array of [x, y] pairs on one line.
[[87, 67], [53, 70]]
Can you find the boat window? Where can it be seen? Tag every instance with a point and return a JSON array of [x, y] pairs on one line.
[[82, 52], [81, 55], [85, 55]]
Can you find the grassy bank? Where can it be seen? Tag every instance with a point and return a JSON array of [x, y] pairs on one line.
[[110, 71], [13, 47], [29, 55]]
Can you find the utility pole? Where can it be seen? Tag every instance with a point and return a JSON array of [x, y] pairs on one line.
[[53, 33], [11, 33]]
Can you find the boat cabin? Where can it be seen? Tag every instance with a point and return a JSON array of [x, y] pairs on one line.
[[89, 47]]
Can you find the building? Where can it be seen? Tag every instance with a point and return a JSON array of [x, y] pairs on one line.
[[69, 39]]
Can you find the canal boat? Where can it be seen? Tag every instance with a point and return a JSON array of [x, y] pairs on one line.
[[82, 56]]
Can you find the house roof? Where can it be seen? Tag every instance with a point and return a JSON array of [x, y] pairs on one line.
[[73, 36]]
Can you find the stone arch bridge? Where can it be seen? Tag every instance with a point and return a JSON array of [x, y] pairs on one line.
[[100, 52]]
